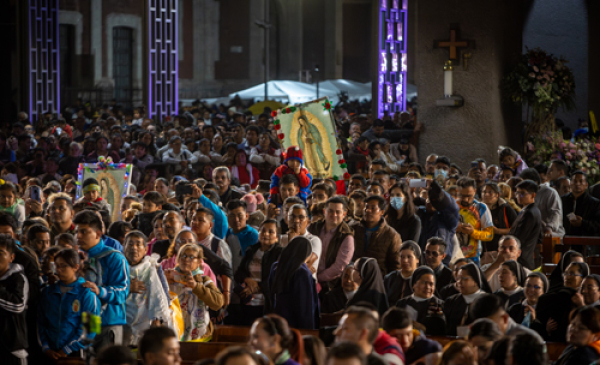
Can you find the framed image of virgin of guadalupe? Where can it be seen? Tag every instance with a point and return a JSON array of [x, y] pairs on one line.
[[311, 127], [114, 180]]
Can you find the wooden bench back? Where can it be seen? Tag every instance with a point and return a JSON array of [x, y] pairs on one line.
[[225, 333]]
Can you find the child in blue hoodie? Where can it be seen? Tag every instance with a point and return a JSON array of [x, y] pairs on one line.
[[59, 319]]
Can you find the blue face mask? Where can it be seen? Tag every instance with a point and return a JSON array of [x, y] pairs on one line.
[[397, 202], [439, 172]]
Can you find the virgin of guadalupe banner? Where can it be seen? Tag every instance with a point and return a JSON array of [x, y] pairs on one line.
[[114, 180], [311, 127]]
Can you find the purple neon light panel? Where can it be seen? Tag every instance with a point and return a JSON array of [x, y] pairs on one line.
[[163, 61], [391, 78], [43, 51]]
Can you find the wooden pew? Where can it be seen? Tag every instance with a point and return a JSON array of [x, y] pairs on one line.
[[240, 334], [193, 351], [552, 247]]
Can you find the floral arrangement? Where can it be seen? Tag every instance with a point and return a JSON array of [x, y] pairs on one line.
[[582, 154], [541, 80]]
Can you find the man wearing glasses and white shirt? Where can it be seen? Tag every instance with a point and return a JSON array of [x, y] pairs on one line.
[[509, 248]]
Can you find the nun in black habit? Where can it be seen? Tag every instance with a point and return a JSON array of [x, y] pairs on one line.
[[554, 307], [556, 278], [293, 288], [397, 283], [471, 284], [536, 285], [512, 279], [335, 300], [371, 288], [422, 305], [451, 289]]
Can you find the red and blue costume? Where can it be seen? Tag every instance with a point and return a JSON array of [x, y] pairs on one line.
[[304, 177]]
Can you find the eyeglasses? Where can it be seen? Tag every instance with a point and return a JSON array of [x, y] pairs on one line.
[[432, 253], [572, 274], [186, 257], [536, 287], [297, 217]]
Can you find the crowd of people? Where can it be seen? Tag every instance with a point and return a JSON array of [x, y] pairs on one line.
[[222, 225]]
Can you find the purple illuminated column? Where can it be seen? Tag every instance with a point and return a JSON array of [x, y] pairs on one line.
[[43, 54], [162, 57], [391, 70]]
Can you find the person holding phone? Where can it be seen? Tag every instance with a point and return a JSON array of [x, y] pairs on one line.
[[196, 292]]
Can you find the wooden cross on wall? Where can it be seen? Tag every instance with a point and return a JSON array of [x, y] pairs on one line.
[[454, 44]]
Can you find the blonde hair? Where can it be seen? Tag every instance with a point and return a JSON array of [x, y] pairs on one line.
[[505, 190], [191, 246], [171, 251], [129, 214], [56, 195]]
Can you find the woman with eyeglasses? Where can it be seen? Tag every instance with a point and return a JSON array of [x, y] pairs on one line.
[[503, 217], [512, 279], [401, 213], [422, 305], [272, 337], [184, 237], [197, 293], [293, 290], [556, 278], [59, 317], [553, 308], [524, 313], [452, 288], [397, 283], [583, 337], [471, 284]]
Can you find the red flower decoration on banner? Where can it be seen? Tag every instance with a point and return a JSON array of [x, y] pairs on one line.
[[341, 161], [277, 127], [338, 152], [346, 175], [281, 136], [287, 110], [274, 113]]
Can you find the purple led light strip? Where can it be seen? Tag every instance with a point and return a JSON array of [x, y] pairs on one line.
[[163, 63], [391, 70], [44, 57]]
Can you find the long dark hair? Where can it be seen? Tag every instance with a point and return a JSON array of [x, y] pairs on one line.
[[408, 210]]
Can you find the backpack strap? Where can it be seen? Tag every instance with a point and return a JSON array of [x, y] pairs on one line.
[[214, 244]]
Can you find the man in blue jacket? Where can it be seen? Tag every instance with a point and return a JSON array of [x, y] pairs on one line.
[[106, 274], [439, 218]]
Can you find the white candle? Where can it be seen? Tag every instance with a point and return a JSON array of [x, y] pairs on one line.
[[448, 83]]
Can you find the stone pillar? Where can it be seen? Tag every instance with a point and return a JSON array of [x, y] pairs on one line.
[[485, 121]]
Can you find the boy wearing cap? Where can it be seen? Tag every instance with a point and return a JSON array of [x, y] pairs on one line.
[[293, 164]]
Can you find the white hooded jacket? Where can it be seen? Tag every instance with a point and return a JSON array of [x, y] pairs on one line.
[[153, 304]]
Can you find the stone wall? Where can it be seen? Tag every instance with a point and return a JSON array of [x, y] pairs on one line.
[[561, 27], [485, 121]]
